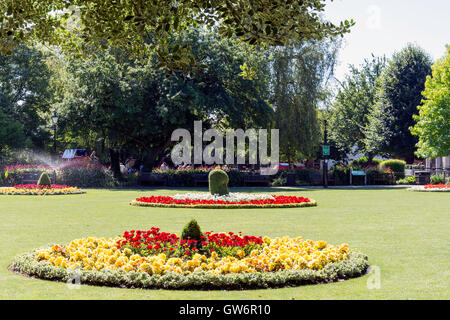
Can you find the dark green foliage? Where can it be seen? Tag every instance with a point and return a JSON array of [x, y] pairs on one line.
[[398, 166], [86, 177], [77, 26], [11, 133], [25, 95], [399, 94], [192, 231], [135, 106], [355, 99], [364, 162], [218, 182], [378, 176], [341, 175], [44, 180]]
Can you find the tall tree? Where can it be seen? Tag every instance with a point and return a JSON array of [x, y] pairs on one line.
[[354, 100], [136, 106], [399, 94], [299, 75], [11, 133], [433, 120], [141, 26], [25, 93]]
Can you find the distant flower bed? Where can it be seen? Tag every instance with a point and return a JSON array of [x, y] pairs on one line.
[[154, 259], [232, 200], [33, 189], [440, 187]]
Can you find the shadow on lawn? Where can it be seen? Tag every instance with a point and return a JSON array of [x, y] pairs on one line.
[[205, 189], [255, 189]]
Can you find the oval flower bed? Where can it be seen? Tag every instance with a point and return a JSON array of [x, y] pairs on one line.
[[154, 259], [33, 189], [232, 200], [440, 187]]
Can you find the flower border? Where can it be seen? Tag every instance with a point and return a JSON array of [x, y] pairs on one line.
[[356, 265], [33, 193], [312, 203], [422, 189]]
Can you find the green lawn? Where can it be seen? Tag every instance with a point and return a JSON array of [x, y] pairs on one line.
[[405, 234]]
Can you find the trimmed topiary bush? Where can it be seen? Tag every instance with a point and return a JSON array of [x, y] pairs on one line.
[[218, 182], [192, 231], [398, 166], [44, 180]]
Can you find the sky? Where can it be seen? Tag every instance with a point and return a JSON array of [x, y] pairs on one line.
[[386, 26]]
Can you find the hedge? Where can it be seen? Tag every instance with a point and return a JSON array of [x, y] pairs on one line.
[[398, 166], [355, 266]]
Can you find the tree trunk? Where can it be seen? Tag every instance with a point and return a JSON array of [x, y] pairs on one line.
[[115, 163], [369, 158]]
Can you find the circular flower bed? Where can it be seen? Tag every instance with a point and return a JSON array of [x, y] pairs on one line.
[[154, 259], [440, 187], [33, 189], [229, 201]]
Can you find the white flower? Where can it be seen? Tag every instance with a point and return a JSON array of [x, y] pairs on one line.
[[232, 196]]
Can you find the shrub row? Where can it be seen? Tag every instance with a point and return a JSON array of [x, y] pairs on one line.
[[355, 266], [77, 177]]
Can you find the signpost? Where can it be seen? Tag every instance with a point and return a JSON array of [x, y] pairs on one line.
[[325, 154]]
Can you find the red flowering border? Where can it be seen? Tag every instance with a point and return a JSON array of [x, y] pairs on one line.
[[437, 186], [154, 242], [35, 186], [440, 187], [169, 202]]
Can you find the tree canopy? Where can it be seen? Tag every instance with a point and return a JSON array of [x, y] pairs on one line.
[[354, 100], [399, 94], [433, 120], [135, 106], [25, 93], [299, 75], [142, 26]]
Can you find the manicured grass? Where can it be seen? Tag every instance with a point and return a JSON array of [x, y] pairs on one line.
[[404, 233]]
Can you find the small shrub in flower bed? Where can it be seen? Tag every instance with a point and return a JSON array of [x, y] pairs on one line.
[[230, 201], [34, 189], [144, 259], [440, 187]]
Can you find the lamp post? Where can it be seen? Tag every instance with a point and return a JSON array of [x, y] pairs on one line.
[[54, 121], [325, 153]]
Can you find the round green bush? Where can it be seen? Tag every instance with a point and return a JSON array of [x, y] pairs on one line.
[[192, 231], [44, 180], [398, 166], [218, 182]]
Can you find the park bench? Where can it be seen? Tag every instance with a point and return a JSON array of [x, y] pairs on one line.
[[255, 179], [200, 179], [152, 178], [30, 177], [33, 177], [357, 173]]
